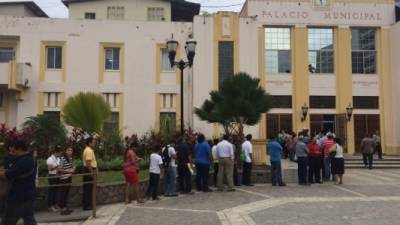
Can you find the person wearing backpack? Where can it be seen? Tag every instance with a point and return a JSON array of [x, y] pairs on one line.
[[247, 150], [169, 157]]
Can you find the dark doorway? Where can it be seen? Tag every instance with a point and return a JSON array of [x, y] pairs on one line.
[[363, 125], [323, 122], [277, 123]]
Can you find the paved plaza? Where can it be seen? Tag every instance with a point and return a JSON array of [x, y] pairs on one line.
[[367, 197]]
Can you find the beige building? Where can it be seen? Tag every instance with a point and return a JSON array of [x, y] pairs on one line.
[[325, 56]]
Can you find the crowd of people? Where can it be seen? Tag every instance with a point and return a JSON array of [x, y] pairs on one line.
[[319, 158]]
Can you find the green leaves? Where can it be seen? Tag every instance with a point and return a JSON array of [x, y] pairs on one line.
[[87, 111], [239, 101]]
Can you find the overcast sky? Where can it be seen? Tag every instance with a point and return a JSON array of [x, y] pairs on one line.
[[54, 8]]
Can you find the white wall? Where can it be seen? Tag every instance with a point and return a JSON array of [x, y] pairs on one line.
[[82, 39], [395, 55], [134, 9], [18, 10]]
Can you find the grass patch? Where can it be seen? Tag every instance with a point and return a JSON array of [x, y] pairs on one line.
[[103, 177]]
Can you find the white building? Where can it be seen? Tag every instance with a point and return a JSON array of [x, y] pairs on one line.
[[305, 52]]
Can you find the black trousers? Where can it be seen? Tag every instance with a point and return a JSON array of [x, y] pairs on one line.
[[184, 178], [216, 169], [235, 175], [302, 169], [314, 170], [152, 189], [64, 192], [17, 210], [247, 167], [87, 191], [203, 171], [53, 191], [368, 159], [276, 173], [378, 149]]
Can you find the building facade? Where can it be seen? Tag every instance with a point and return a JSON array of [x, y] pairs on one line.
[[325, 56]]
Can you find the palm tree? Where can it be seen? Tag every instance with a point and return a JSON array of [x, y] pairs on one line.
[[240, 101], [87, 111], [47, 132]]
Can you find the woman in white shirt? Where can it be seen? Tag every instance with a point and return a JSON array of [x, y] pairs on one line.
[[337, 161]]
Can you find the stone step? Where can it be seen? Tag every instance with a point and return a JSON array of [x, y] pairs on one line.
[[375, 166]]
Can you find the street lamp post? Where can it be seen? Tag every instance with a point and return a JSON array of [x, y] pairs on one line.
[[190, 48]]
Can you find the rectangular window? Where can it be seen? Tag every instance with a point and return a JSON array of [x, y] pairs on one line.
[[282, 101], [90, 16], [363, 44], [168, 101], [225, 60], [6, 55], [115, 13], [112, 56], [155, 14], [52, 100], [112, 125], [366, 102], [112, 99], [1, 100], [168, 123], [165, 64], [320, 50], [53, 114], [278, 53], [322, 102], [54, 57]]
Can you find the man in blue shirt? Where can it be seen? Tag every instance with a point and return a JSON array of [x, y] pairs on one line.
[[275, 151], [21, 174], [203, 159]]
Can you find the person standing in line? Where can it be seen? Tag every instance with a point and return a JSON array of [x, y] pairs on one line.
[[275, 152], [247, 147], [367, 148], [131, 173], [314, 159], [378, 146], [53, 165], [236, 161], [20, 172], [203, 158], [338, 161], [226, 158], [66, 170], [291, 145], [184, 160], [302, 160], [155, 167], [90, 168], [215, 160], [169, 154], [326, 146]]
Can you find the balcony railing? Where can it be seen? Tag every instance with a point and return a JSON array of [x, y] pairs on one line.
[[15, 76]]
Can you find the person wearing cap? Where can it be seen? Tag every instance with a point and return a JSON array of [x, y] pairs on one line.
[[53, 165]]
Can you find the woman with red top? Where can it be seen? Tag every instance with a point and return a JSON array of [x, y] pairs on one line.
[[131, 172], [315, 166]]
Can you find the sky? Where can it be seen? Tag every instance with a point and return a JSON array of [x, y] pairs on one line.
[[54, 8]]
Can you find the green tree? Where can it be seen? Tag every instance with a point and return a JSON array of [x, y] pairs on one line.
[[46, 133], [240, 101], [87, 111]]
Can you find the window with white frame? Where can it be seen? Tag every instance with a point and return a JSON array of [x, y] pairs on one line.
[[155, 14], [277, 50], [112, 124], [165, 63], [90, 15], [363, 54], [54, 57], [52, 106], [168, 102], [111, 58], [320, 50], [115, 12]]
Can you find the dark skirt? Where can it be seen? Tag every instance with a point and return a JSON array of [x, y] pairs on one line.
[[337, 166]]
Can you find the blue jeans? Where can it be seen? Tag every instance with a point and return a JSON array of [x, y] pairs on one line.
[[53, 191], [327, 168], [276, 172], [170, 181]]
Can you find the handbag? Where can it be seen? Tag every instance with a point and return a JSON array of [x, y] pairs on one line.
[[332, 151]]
